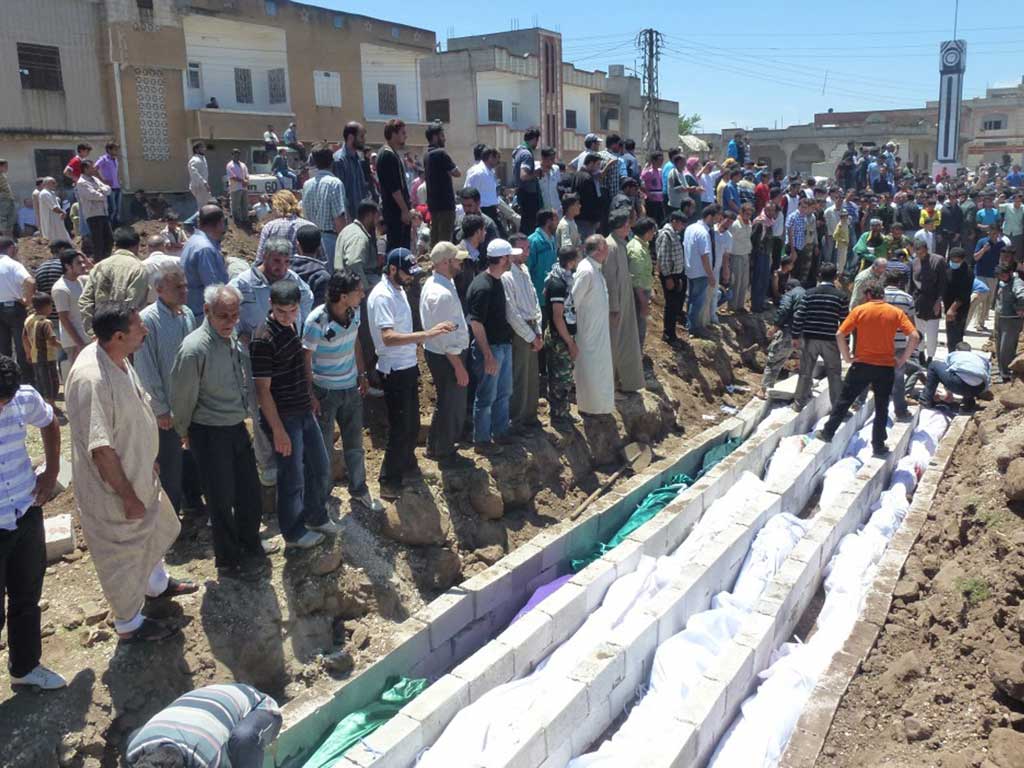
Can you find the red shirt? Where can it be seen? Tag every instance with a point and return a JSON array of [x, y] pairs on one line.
[[75, 164]]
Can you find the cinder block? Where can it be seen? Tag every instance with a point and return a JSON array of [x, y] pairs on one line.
[[60, 537], [489, 588], [530, 638], [625, 557], [561, 715], [595, 580], [601, 671], [567, 608], [401, 741], [471, 638], [436, 706], [446, 615], [488, 668]]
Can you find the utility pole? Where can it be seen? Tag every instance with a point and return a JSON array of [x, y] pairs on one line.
[[649, 42]]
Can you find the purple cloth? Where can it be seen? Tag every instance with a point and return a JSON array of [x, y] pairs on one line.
[[540, 595], [106, 167]]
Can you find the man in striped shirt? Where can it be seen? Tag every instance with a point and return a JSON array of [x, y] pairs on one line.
[[896, 294], [672, 270], [209, 727], [815, 323], [334, 363]]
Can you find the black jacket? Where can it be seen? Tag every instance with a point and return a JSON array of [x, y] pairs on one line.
[[958, 288]]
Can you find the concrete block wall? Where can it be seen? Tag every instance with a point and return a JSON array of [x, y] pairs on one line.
[[462, 621], [716, 699]]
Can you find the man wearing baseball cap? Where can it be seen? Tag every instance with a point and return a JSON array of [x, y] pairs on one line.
[[446, 353], [491, 349], [395, 343], [591, 143]]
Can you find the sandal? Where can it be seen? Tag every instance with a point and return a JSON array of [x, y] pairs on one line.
[[150, 631], [177, 588]]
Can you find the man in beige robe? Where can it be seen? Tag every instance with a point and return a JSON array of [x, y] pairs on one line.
[[592, 369], [127, 520], [626, 357]]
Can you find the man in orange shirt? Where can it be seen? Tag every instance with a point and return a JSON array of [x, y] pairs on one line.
[[875, 362]]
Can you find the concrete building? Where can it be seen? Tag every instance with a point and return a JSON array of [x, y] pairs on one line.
[[507, 82], [142, 72], [52, 86], [991, 126]]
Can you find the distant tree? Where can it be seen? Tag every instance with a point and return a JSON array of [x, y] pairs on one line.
[[689, 124]]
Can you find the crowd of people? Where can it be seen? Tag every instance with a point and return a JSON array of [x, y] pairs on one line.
[[168, 350]]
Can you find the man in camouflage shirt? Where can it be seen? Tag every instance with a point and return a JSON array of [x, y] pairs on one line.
[[560, 329]]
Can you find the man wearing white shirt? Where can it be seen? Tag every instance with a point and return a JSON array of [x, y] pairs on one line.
[[51, 214], [720, 258], [550, 176], [446, 353], [157, 262], [482, 178], [66, 292], [92, 203], [700, 274], [832, 213], [238, 182], [522, 309], [17, 286], [395, 342], [199, 175]]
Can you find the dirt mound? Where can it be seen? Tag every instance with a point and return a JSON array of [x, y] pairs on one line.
[[944, 686]]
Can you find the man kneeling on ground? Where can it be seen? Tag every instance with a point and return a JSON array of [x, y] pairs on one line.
[[964, 372]]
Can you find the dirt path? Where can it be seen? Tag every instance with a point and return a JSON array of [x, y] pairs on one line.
[[927, 694]]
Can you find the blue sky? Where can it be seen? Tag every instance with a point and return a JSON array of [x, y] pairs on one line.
[[772, 60]]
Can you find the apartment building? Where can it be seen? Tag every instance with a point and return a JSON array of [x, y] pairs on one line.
[[490, 88], [143, 72]]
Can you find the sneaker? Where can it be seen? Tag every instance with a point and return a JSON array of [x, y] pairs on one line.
[[331, 528], [367, 500], [270, 546], [388, 491], [820, 435], [308, 540], [42, 679]]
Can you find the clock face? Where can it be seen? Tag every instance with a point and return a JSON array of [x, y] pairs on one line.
[[952, 55]]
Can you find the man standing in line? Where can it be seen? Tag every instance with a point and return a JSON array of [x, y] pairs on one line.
[[815, 324], [739, 257], [168, 321], [801, 240], [897, 296], [127, 521], [559, 337], [626, 358], [107, 168], [587, 185], [439, 170], [522, 309], [201, 258], [390, 320], [780, 348], [987, 257], [873, 271], [1013, 221], [470, 198], [356, 251], [51, 214], [22, 536], [323, 200], [542, 250], [526, 174], [672, 271], [210, 390], [17, 287], [121, 278], [481, 177], [394, 186], [550, 178], [875, 324], [351, 167], [595, 388], [334, 363], [699, 247], [92, 201], [284, 393], [238, 188], [1009, 306], [199, 175], [445, 354], [491, 349], [66, 292], [930, 276], [957, 298]]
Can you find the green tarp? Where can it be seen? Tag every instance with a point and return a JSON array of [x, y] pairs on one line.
[[398, 692]]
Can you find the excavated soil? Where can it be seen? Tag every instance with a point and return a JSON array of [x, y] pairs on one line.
[[331, 612], [944, 685]]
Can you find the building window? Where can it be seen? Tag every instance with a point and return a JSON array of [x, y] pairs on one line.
[[243, 86], [514, 114], [39, 66], [387, 98], [327, 88], [494, 111], [145, 13], [339, 22], [195, 76], [51, 162], [994, 124], [438, 110], [276, 86], [270, 6], [396, 32], [570, 119], [609, 118]]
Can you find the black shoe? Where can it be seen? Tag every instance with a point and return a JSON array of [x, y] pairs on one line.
[[487, 449], [389, 491], [880, 451], [453, 461], [823, 436], [904, 418]]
